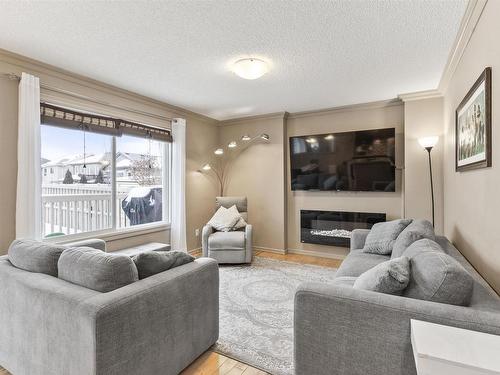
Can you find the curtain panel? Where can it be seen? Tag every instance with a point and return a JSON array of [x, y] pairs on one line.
[[178, 222], [29, 194]]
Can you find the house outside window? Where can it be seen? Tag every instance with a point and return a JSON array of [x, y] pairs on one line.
[[102, 182]]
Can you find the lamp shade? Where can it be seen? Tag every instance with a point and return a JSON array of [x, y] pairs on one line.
[[426, 142]]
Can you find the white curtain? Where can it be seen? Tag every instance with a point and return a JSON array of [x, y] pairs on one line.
[[178, 226], [29, 189]]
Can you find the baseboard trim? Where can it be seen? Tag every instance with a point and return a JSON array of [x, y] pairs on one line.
[[316, 254], [269, 249]]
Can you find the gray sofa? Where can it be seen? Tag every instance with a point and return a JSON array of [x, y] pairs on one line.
[[342, 330], [157, 325], [233, 246]]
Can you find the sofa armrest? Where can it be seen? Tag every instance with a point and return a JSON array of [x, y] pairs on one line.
[[358, 238], [359, 332], [248, 243], [159, 324], [205, 233]]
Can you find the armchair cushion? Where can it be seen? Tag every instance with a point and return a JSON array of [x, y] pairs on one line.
[[227, 241]]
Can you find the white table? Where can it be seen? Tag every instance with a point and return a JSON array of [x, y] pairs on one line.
[[443, 350]]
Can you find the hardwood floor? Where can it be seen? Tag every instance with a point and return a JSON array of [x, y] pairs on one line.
[[212, 363]]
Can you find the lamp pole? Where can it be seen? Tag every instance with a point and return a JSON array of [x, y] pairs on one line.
[[432, 184]]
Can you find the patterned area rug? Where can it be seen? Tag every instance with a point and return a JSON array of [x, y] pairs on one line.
[[256, 311]]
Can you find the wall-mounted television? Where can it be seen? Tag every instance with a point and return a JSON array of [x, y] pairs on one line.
[[348, 161]]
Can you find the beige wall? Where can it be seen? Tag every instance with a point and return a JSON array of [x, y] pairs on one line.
[[62, 87], [8, 155], [259, 173], [423, 118], [381, 115], [472, 199]]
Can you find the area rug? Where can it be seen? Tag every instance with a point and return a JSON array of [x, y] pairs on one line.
[[256, 311]]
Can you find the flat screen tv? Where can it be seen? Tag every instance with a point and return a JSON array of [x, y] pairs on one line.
[[348, 161]]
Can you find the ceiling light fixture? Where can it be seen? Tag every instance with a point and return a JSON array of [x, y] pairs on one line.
[[232, 144], [206, 167], [250, 68], [245, 138], [329, 137], [219, 151]]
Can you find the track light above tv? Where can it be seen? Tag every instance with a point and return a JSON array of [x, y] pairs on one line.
[[348, 161]]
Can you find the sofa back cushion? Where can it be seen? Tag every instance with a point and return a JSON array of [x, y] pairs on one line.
[[35, 256], [381, 238], [150, 263], [96, 270], [436, 276], [417, 230]]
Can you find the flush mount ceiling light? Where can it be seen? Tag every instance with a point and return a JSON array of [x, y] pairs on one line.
[[250, 68], [246, 137], [219, 151], [232, 144]]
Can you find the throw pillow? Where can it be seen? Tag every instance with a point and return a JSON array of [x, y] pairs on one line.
[[390, 277], [35, 256], [417, 230], [381, 238], [224, 219], [95, 269], [419, 246], [152, 262], [241, 223], [437, 277]]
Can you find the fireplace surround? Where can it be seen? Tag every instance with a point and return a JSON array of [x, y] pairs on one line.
[[334, 228]]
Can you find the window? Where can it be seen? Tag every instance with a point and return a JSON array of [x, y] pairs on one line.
[[101, 180]]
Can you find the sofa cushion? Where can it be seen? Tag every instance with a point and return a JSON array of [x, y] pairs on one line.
[[345, 281], [358, 262], [417, 230], [95, 269], [152, 262], [35, 256], [419, 246], [226, 241], [437, 277], [224, 219], [382, 236], [390, 277]]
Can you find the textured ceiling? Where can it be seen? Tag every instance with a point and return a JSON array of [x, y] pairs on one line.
[[323, 53]]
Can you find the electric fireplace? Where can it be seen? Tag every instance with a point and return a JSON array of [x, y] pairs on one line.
[[334, 228]]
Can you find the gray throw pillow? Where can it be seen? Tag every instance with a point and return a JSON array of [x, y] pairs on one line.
[[417, 230], [95, 269], [381, 238], [152, 262], [437, 277], [35, 256], [390, 277]]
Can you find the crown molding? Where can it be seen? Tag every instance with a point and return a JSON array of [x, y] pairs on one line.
[[420, 95], [469, 22], [14, 64], [266, 116], [348, 108]]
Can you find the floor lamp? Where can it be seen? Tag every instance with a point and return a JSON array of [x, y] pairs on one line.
[[428, 143]]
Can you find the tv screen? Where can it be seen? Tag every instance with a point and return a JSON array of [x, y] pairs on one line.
[[348, 161]]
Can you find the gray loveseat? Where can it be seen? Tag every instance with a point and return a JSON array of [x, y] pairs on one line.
[[341, 330], [157, 325]]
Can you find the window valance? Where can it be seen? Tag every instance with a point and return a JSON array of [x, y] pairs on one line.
[[67, 118]]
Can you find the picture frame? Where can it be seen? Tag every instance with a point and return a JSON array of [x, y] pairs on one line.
[[473, 126]]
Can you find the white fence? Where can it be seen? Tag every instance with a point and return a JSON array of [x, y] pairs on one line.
[[80, 208]]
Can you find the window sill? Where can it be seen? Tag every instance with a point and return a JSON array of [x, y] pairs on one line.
[[112, 235]]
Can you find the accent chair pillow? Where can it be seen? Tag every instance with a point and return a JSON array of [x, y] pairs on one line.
[[417, 230], [390, 277], [241, 223], [95, 269], [35, 256], [224, 219], [437, 277], [150, 263], [382, 236]]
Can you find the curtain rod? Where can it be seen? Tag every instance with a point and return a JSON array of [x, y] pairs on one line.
[[15, 77]]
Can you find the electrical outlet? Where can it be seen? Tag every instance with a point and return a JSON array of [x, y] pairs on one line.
[[197, 232]]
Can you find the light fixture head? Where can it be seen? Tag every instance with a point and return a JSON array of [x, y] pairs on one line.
[[428, 142], [245, 138], [232, 144], [329, 137], [250, 68], [265, 137], [219, 151], [206, 167]]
